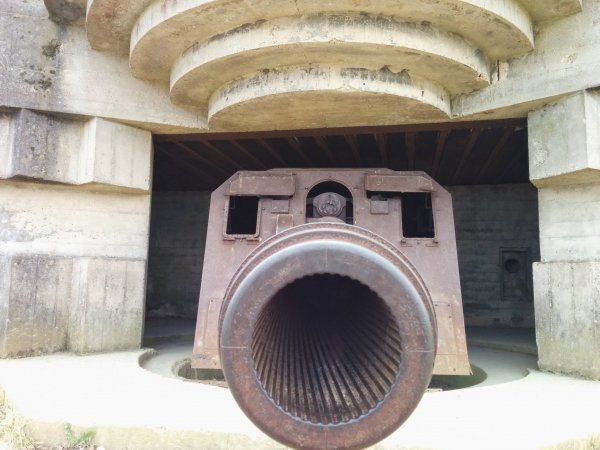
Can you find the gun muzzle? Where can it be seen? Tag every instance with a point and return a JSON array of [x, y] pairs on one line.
[[327, 337]]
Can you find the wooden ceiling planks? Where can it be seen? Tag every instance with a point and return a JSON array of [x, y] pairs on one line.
[[454, 154]]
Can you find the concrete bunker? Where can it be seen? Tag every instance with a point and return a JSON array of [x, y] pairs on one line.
[[85, 141]]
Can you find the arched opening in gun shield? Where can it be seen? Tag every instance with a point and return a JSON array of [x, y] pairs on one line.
[[342, 211], [326, 349]]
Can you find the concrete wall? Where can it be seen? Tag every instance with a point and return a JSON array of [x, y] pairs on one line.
[[49, 66], [177, 237], [490, 219], [74, 214], [565, 61], [564, 159]]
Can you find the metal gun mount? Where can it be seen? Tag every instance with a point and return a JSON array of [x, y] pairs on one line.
[[329, 298]]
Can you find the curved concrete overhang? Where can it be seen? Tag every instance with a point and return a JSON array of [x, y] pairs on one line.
[[541, 11], [444, 58], [230, 59], [168, 27], [109, 22], [325, 97]]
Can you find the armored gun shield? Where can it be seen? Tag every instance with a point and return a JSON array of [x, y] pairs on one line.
[[329, 298]]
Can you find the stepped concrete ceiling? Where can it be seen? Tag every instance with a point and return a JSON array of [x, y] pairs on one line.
[[291, 64]]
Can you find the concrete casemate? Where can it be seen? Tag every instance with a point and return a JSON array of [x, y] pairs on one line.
[[79, 101]]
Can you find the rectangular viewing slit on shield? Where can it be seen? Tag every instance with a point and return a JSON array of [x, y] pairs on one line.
[[417, 215], [242, 216]]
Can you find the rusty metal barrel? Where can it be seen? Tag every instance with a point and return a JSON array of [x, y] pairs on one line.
[[327, 336]]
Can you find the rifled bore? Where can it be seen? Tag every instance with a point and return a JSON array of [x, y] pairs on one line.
[[326, 349]]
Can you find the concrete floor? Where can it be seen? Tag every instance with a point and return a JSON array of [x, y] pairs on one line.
[[133, 401], [520, 340]]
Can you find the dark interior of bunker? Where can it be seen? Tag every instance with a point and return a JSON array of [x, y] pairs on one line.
[[483, 165]]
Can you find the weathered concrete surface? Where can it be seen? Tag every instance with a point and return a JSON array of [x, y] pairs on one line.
[[94, 152], [165, 29], [109, 22], [564, 143], [445, 44], [47, 219], [564, 155], [562, 63], [324, 96], [541, 11], [570, 155], [500, 31], [107, 309], [41, 148], [117, 155], [34, 294], [66, 11], [46, 66], [570, 223], [79, 304], [567, 308], [6, 144], [359, 41], [489, 219], [110, 393], [73, 260], [565, 60]]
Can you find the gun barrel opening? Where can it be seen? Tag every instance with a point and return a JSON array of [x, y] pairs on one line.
[[326, 349]]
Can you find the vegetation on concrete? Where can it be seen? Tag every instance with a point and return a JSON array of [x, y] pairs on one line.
[[81, 441], [14, 435]]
